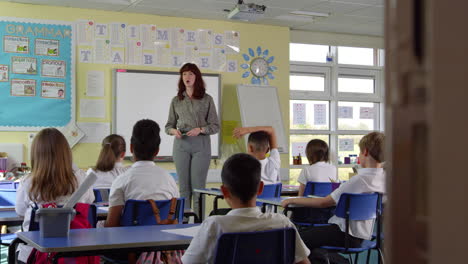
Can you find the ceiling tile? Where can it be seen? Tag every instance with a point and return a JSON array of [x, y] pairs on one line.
[[44, 2], [373, 11], [290, 4], [336, 7]]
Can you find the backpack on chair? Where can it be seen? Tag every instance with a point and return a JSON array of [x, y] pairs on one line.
[[160, 257]]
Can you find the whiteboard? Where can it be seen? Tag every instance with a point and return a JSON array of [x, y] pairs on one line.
[[259, 106], [148, 95]]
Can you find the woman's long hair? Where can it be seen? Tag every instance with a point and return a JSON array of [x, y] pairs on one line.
[[199, 85], [51, 160], [112, 148]]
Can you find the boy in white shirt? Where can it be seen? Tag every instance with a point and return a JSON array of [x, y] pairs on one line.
[[261, 140], [241, 185], [144, 180], [371, 178]]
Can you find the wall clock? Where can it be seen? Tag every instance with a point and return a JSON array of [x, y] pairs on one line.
[[258, 66]]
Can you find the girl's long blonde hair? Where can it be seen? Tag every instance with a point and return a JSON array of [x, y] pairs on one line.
[[51, 160]]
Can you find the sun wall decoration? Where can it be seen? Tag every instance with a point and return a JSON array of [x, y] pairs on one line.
[[259, 66]]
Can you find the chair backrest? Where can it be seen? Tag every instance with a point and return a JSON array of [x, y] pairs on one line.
[[270, 191], [101, 195], [358, 206], [271, 246], [8, 185], [7, 197], [139, 212], [319, 188]]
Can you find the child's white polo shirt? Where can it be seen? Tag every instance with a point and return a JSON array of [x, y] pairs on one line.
[[106, 178], [203, 245], [271, 167], [318, 172], [368, 180], [144, 180]]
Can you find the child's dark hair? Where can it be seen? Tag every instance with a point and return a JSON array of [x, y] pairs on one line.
[[112, 148], [260, 141], [145, 139], [241, 175], [317, 150]]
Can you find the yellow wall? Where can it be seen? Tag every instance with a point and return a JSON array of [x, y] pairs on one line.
[[276, 39]]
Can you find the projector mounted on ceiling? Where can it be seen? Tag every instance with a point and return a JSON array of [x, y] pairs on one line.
[[246, 12]]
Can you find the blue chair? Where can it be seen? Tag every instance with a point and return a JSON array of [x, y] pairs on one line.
[[139, 212], [359, 207], [314, 216], [272, 246], [318, 188], [9, 185], [270, 191], [101, 195]]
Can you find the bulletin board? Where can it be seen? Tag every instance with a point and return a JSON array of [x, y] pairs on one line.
[[37, 74]]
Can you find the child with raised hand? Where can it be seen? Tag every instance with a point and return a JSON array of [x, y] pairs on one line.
[[109, 164], [262, 139], [52, 179], [320, 170], [371, 178], [144, 180], [241, 185]]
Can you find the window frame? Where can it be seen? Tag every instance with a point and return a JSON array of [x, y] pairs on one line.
[[332, 70]]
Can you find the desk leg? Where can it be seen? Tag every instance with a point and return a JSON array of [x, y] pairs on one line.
[[12, 250], [200, 207], [263, 207]]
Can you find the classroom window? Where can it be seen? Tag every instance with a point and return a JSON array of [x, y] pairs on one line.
[[307, 82], [356, 56], [298, 143], [309, 114], [338, 102], [353, 84], [344, 174], [357, 115], [348, 147], [293, 176], [308, 52]]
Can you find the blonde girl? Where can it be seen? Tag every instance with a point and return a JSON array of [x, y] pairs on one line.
[[52, 178]]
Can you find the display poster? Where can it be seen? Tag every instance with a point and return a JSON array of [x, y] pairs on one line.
[[46, 47], [37, 72], [53, 68], [23, 87], [53, 90], [16, 44], [24, 65]]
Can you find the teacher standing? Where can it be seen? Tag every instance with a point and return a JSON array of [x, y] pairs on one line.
[[192, 119]]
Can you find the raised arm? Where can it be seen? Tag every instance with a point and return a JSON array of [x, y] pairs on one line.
[[241, 131], [322, 202]]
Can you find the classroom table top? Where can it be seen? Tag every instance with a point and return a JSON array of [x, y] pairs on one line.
[[108, 238], [210, 191], [7, 217]]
